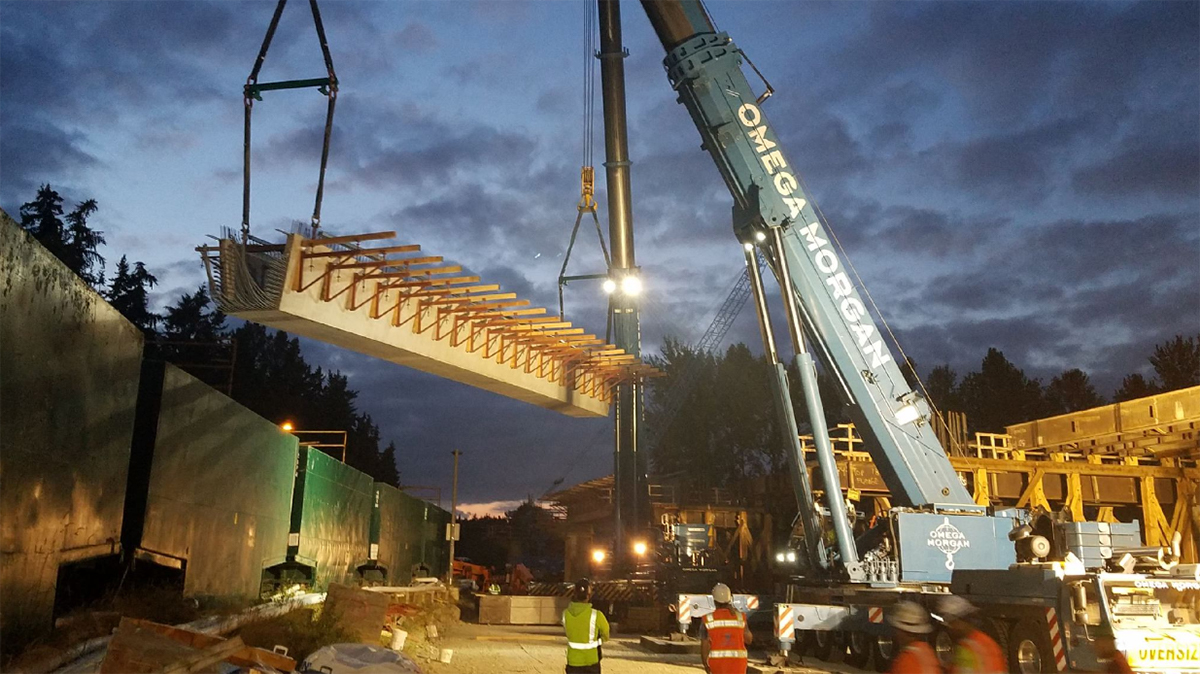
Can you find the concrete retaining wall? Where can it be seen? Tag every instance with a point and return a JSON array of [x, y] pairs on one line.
[[69, 367]]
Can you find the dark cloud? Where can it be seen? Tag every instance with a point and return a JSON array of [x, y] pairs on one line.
[[986, 291], [1016, 165], [1018, 175], [417, 37], [923, 230], [1007, 61], [36, 152], [1162, 169], [1076, 252]]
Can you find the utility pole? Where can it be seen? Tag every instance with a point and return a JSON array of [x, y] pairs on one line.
[[625, 284], [452, 534]]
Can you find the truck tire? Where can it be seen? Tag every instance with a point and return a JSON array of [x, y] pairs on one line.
[[943, 646], [998, 631], [827, 645], [860, 645], [883, 648], [1029, 649]]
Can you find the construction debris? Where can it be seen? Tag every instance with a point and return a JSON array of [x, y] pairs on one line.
[[143, 646], [360, 613], [359, 659]]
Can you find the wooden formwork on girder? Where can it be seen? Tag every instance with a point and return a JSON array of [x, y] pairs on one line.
[[394, 303], [1145, 471]]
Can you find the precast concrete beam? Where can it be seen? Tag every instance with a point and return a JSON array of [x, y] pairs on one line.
[[419, 312]]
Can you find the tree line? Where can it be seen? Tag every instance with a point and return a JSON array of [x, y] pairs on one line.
[[528, 534], [269, 373], [727, 429]]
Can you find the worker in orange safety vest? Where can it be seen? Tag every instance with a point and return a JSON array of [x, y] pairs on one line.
[[974, 651], [723, 644], [910, 621], [1106, 647]]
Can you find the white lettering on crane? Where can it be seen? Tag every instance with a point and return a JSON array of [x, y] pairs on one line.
[[773, 162], [824, 258]]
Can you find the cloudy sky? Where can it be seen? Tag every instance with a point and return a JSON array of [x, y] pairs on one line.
[[1022, 175]]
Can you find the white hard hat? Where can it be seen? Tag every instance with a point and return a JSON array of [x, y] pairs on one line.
[[910, 617], [954, 607], [721, 593]]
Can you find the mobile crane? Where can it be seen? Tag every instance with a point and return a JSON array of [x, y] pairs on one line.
[[936, 539]]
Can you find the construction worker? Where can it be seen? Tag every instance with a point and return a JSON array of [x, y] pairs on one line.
[[1106, 650], [725, 636], [974, 651], [910, 621], [586, 629]]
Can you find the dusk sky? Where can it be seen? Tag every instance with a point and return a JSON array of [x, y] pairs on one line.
[[1023, 175]]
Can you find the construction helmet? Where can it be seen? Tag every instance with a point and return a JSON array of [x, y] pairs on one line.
[[721, 593], [911, 617], [953, 607]]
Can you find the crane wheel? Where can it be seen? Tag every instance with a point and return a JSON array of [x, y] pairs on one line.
[[998, 631], [1029, 649], [827, 645], [943, 646], [860, 648], [883, 648]]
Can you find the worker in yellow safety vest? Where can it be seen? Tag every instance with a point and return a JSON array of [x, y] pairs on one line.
[[586, 629], [974, 651]]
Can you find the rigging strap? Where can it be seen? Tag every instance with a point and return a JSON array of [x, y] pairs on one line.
[[327, 86]]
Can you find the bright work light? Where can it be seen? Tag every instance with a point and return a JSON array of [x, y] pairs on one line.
[[610, 286], [598, 555], [640, 548], [631, 285], [907, 414]]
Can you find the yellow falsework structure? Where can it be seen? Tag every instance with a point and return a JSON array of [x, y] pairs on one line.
[[1131, 460], [397, 304]]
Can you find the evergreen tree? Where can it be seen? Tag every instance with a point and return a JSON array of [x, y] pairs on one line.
[[1000, 395], [942, 387], [1177, 362], [1071, 391], [1134, 386], [72, 242], [80, 253], [42, 218], [388, 473], [194, 339], [193, 317], [273, 379], [129, 293]]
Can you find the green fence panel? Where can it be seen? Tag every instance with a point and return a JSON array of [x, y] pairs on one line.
[[219, 492], [335, 517]]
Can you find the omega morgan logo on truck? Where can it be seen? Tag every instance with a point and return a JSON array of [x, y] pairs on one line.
[[948, 540], [826, 261]]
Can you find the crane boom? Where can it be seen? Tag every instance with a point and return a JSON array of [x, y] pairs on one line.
[[704, 67]]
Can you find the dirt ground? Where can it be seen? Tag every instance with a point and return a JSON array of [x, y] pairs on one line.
[[488, 649]]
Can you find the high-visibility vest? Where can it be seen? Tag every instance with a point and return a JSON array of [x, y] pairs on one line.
[[727, 642], [916, 658], [977, 653], [583, 638]]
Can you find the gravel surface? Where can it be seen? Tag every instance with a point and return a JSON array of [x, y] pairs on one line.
[[496, 649]]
